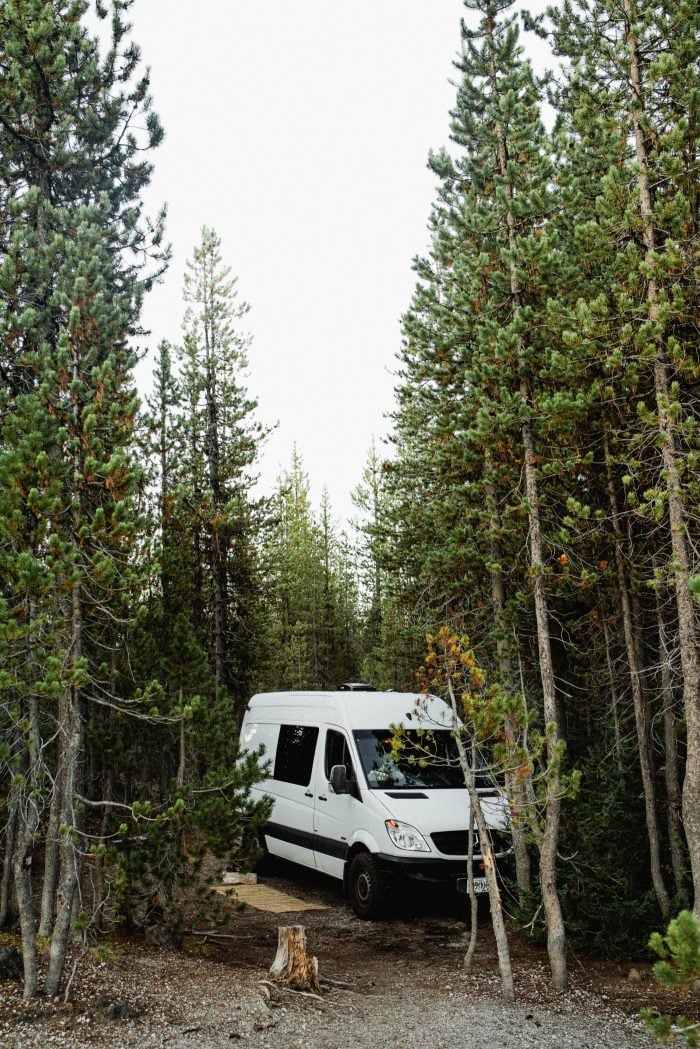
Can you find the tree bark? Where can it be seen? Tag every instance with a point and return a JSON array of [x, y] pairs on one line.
[[615, 698], [48, 889], [473, 903], [22, 869], [72, 739], [28, 823], [514, 787], [556, 932], [99, 900], [70, 853], [292, 964], [7, 884], [476, 814], [71, 721], [671, 770], [639, 700]]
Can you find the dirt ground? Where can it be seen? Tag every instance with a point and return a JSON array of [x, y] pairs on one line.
[[209, 993]]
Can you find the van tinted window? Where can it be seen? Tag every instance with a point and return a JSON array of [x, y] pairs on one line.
[[295, 754], [337, 753]]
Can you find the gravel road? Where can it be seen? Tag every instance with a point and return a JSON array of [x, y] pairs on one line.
[[398, 982], [203, 1007]]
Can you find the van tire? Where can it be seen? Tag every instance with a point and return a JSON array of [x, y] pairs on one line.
[[366, 887]]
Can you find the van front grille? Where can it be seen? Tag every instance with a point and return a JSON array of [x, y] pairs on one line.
[[456, 842]]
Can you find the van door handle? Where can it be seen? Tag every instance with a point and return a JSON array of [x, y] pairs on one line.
[[322, 797], [308, 794]]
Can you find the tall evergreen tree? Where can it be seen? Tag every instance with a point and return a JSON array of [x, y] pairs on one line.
[[73, 131], [311, 592], [638, 63], [209, 518], [484, 412]]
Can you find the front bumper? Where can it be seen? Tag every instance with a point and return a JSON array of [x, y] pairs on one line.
[[421, 868]]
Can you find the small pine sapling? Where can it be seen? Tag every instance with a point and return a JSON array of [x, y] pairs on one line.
[[678, 969]]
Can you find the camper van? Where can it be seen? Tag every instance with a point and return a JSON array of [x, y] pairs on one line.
[[347, 804]]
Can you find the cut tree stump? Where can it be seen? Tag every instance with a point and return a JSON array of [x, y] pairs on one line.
[[292, 964]]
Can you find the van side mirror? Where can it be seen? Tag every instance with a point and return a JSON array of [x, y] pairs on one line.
[[339, 779]]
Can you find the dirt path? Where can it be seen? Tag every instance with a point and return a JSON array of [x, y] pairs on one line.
[[405, 987]]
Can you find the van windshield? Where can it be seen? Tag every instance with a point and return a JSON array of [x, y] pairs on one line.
[[428, 759]]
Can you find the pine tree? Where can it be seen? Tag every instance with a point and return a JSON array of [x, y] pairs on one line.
[[368, 499], [73, 130], [223, 442], [480, 396], [311, 592], [201, 636], [638, 63]]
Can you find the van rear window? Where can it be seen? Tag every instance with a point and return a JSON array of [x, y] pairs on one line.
[[295, 754]]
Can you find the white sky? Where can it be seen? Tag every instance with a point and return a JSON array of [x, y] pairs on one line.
[[299, 130]]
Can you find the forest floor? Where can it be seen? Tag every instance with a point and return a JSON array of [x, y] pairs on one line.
[[395, 982]]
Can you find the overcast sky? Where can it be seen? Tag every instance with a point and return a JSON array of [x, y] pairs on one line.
[[299, 130]]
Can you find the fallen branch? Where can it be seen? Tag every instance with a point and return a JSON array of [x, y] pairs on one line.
[[66, 996], [340, 984], [272, 989], [210, 935]]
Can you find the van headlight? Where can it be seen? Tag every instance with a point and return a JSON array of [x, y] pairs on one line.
[[406, 837]]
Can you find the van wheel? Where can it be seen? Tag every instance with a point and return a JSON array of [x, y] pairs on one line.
[[366, 887]]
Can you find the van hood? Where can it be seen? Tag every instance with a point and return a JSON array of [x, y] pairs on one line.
[[431, 810]]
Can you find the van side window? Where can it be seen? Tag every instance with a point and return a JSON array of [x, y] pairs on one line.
[[295, 754], [337, 753]]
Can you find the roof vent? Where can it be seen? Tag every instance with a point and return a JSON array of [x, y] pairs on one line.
[[356, 686]]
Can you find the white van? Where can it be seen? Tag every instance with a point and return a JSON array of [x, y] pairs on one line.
[[344, 806]]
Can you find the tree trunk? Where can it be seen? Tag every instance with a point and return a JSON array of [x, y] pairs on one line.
[[292, 964], [690, 659], [71, 731], [556, 933], [476, 813], [671, 773], [99, 899], [497, 920], [22, 868], [640, 705], [614, 698], [70, 853], [28, 822], [7, 884], [48, 890], [71, 736], [514, 786], [473, 904]]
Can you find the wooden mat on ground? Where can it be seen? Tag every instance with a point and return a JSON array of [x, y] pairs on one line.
[[265, 898]]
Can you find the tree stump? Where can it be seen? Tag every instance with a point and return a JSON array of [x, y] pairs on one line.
[[292, 965]]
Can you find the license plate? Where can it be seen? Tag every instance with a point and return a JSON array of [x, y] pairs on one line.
[[479, 885]]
